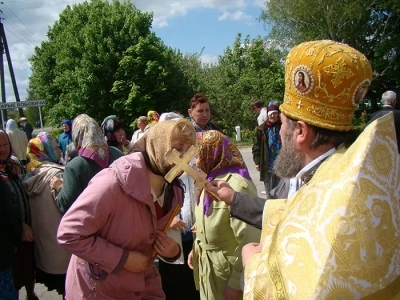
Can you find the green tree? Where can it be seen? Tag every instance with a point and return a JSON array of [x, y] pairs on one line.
[[74, 69], [251, 69], [32, 113], [371, 26], [148, 78]]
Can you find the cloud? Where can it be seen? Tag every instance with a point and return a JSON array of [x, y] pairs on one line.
[[236, 16], [207, 59], [163, 11], [260, 3]]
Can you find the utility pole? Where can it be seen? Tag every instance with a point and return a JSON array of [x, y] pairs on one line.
[[4, 49]]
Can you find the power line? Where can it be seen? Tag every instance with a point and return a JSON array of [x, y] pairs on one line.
[[28, 40], [18, 18]]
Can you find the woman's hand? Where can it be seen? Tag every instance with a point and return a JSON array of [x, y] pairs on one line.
[[56, 183], [136, 262], [177, 224], [165, 246], [258, 167], [190, 260], [27, 233]]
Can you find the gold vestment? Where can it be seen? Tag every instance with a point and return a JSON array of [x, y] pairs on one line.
[[338, 236]]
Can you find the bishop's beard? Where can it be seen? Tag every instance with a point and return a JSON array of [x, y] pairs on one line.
[[288, 162]]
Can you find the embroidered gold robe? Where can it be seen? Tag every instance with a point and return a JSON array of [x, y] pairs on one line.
[[338, 236]]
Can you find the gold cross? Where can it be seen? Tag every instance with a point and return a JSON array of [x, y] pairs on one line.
[[339, 71], [299, 104], [182, 164]]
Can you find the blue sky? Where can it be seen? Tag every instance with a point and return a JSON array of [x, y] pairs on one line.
[[187, 25], [202, 28]]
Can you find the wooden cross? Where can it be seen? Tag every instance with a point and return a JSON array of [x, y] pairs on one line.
[[182, 164]]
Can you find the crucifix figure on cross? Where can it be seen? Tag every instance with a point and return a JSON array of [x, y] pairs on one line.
[[182, 164]]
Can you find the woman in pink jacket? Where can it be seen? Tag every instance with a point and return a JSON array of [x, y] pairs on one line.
[[115, 225]]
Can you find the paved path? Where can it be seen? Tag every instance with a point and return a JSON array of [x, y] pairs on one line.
[[41, 290]]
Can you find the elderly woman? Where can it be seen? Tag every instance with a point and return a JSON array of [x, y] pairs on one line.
[[115, 227], [51, 259], [10, 172], [200, 113], [65, 137], [266, 147], [18, 140], [216, 256], [93, 155]]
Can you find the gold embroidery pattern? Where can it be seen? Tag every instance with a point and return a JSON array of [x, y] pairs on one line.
[[339, 71], [341, 76], [339, 290], [326, 112], [346, 244]]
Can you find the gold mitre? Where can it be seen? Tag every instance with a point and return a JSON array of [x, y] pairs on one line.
[[324, 83]]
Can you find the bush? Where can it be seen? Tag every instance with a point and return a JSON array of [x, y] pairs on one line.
[[248, 134], [56, 132]]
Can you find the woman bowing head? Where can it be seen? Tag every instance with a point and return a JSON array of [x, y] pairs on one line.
[[116, 225]]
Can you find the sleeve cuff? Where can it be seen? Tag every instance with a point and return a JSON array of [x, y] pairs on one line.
[[173, 259], [234, 280], [122, 261]]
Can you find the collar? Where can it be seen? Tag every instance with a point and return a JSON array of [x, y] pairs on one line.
[[309, 169]]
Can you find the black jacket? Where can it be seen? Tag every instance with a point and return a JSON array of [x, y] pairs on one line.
[[10, 225], [396, 115]]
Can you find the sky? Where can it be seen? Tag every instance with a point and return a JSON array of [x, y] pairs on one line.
[[192, 26]]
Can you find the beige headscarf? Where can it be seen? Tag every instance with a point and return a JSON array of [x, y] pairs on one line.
[[158, 140]]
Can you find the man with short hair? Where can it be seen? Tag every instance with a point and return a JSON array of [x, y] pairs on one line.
[[26, 127], [337, 235], [389, 104], [257, 106]]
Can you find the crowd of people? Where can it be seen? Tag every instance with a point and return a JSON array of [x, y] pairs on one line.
[[87, 213]]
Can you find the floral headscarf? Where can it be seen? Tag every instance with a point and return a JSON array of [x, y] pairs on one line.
[[89, 141], [217, 156], [40, 150], [153, 117], [110, 125]]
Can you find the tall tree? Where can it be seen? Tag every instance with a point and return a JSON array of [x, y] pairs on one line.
[[250, 69], [148, 78], [75, 69], [371, 26]]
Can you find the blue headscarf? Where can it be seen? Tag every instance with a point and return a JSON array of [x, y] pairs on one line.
[[69, 123]]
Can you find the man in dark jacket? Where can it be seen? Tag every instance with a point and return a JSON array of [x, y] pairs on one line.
[[389, 103], [26, 127]]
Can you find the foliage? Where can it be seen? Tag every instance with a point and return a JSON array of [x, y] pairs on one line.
[[251, 69], [74, 69], [56, 132], [371, 26], [148, 78], [32, 113]]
